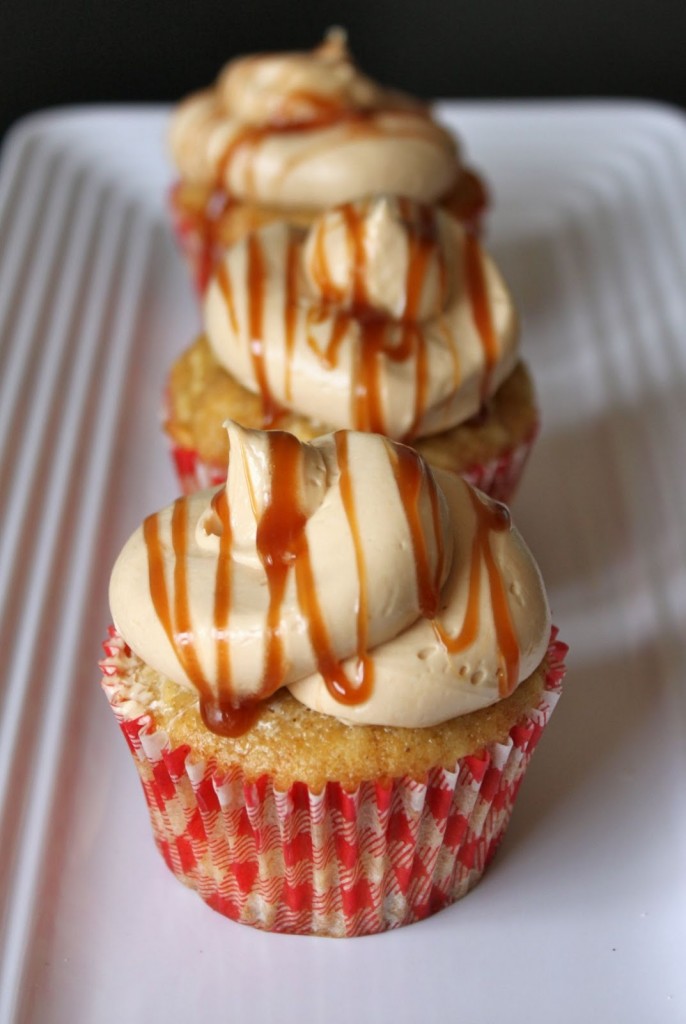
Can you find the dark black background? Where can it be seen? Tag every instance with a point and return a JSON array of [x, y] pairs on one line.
[[76, 51]]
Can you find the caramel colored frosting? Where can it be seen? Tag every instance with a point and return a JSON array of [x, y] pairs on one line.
[[386, 315], [309, 130], [375, 589]]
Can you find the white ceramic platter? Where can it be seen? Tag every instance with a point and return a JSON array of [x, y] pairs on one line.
[[582, 916]]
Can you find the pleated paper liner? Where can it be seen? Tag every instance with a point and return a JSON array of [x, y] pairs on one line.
[[497, 477], [333, 862]]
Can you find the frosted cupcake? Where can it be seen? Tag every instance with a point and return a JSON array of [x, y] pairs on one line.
[[286, 135], [332, 672], [385, 315]]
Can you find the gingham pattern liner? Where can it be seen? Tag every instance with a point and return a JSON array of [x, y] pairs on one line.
[[334, 862], [195, 236], [498, 477]]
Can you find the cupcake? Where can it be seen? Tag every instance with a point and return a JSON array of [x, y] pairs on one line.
[[286, 135], [331, 672], [384, 315]]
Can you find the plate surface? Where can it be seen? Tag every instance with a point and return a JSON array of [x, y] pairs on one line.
[[582, 915]]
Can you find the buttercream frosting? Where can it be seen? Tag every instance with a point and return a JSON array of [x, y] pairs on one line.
[[309, 130], [387, 315], [376, 589]]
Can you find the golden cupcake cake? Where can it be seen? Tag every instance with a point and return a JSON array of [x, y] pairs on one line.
[[283, 136], [384, 315], [331, 671]]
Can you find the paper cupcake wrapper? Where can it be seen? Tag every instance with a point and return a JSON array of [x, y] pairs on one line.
[[196, 238], [334, 862], [498, 477]]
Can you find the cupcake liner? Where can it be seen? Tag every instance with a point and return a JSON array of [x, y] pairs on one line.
[[334, 862], [196, 235], [497, 477]]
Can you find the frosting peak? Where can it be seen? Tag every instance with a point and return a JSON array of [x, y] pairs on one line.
[[287, 88], [361, 256], [308, 130], [375, 589]]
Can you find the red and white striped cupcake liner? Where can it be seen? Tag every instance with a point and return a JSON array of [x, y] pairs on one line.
[[331, 862]]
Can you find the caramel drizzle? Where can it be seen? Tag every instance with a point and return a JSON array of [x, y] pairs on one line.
[[481, 309], [411, 478], [280, 542], [329, 114], [452, 348], [375, 339], [226, 288], [222, 593], [365, 665], [490, 518], [282, 546], [256, 287], [181, 643], [379, 337], [340, 326], [366, 124], [290, 311], [222, 714], [320, 268], [271, 410]]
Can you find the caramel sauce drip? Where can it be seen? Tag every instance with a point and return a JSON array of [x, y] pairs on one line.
[[280, 542], [226, 288], [490, 518], [256, 285], [222, 592], [365, 665], [481, 310], [320, 268], [222, 715], [452, 348], [290, 311], [282, 545], [411, 476], [359, 125], [330, 668], [339, 328], [328, 114], [379, 336], [249, 137], [256, 298], [165, 611]]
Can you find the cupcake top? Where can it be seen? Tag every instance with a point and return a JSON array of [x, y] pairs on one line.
[[309, 130], [376, 590], [386, 315]]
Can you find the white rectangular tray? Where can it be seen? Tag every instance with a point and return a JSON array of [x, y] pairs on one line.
[[582, 916]]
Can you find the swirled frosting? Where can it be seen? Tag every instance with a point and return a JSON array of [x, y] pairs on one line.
[[309, 130], [386, 316], [376, 589]]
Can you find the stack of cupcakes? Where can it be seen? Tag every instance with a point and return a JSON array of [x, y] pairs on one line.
[[333, 658]]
